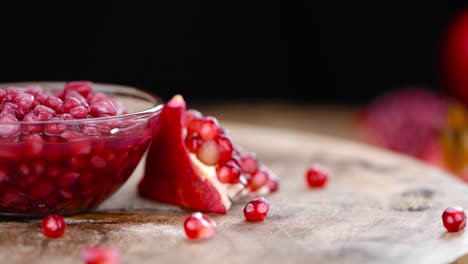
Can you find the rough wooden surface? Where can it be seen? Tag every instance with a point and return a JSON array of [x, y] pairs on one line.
[[378, 208]]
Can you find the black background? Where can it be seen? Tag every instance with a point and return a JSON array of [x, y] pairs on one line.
[[306, 51]]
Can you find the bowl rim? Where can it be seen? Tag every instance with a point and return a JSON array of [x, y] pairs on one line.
[[99, 87]]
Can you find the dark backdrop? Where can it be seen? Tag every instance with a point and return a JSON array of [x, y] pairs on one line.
[[330, 51]]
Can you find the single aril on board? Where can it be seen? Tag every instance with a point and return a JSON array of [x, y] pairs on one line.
[[256, 209], [100, 255], [454, 219], [193, 162], [199, 226], [316, 176], [54, 225]]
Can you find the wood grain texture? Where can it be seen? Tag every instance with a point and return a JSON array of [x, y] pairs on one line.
[[378, 208]]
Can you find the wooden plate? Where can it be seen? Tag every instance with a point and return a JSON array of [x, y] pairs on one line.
[[378, 208]]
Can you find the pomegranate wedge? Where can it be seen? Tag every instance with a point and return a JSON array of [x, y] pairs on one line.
[[192, 162]]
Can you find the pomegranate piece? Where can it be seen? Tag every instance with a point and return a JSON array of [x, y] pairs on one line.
[[316, 176], [256, 209], [454, 219], [192, 162], [99, 255], [54, 225], [199, 226]]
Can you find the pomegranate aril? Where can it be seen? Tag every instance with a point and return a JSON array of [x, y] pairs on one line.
[[41, 189], [208, 153], [194, 125], [249, 163], [24, 100], [228, 173], [53, 102], [99, 255], [193, 142], [54, 128], [54, 225], [209, 129], [103, 108], [256, 209], [27, 129], [44, 113], [190, 115], [454, 219], [79, 112], [316, 176], [82, 87], [258, 180], [199, 226], [33, 145], [68, 179], [273, 183], [225, 149], [69, 103], [9, 126]]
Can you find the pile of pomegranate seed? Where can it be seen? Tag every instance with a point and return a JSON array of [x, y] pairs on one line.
[[316, 176], [199, 225], [100, 255], [71, 166], [54, 225], [213, 147], [454, 219], [256, 209]]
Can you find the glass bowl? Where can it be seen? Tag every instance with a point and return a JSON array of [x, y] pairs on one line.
[[74, 171]]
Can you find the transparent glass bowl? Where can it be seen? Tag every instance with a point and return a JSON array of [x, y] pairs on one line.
[[42, 174]]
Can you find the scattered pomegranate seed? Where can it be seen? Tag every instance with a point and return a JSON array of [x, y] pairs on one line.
[[256, 209], [199, 225], [54, 225], [249, 163], [100, 255], [209, 129], [316, 176], [454, 219]]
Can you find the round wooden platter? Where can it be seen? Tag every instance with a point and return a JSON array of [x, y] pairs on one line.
[[379, 207]]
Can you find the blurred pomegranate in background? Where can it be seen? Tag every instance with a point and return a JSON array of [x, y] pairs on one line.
[[454, 56], [406, 120]]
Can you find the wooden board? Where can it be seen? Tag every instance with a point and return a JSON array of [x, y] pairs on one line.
[[378, 208]]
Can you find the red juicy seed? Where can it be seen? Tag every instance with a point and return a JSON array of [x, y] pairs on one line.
[[2, 95], [68, 179], [193, 142], [54, 128], [65, 116], [27, 129], [44, 113], [208, 153], [33, 145], [54, 225], [192, 114], [209, 129], [99, 255], [77, 162], [454, 219], [38, 167], [41, 189], [53, 171], [316, 176], [98, 162], [256, 209], [9, 130], [258, 180], [249, 163], [69, 103], [273, 183], [8, 109], [103, 108], [199, 225], [79, 112], [96, 97], [53, 102], [90, 131], [83, 87], [194, 125], [225, 149], [228, 173], [24, 100]]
